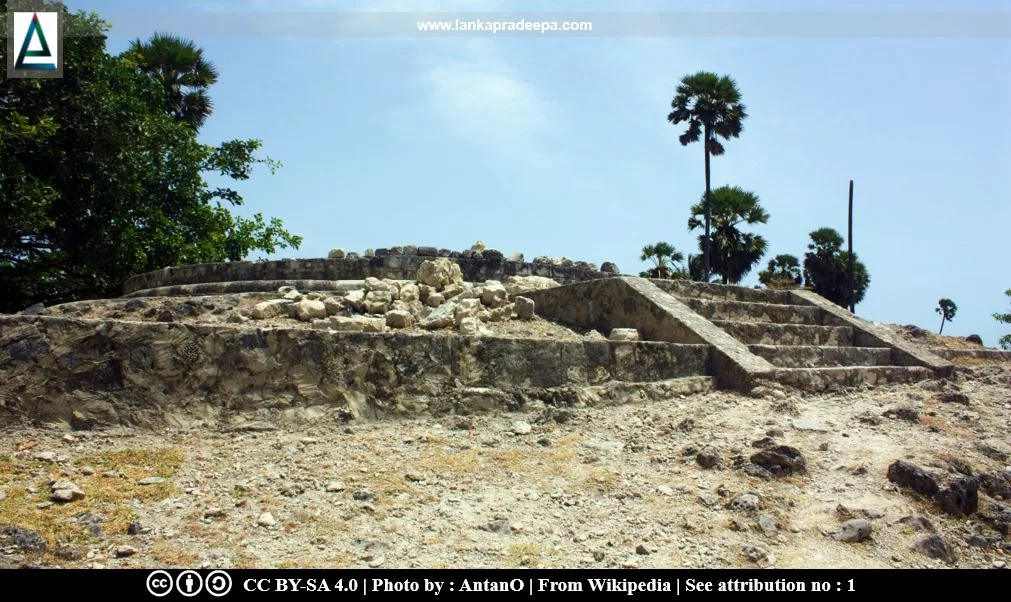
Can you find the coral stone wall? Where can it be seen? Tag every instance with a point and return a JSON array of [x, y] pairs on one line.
[[491, 265]]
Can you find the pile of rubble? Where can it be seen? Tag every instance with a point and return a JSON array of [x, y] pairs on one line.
[[438, 298], [477, 251]]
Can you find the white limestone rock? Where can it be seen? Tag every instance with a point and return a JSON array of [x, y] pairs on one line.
[[524, 308], [270, 309], [336, 254], [624, 334], [308, 309], [466, 308], [399, 319], [494, 294], [439, 273], [517, 285]]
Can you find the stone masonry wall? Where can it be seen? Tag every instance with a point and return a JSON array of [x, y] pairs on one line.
[[490, 266], [86, 372]]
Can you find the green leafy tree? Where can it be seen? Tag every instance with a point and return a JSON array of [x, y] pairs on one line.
[[733, 252], [711, 107], [947, 309], [782, 272], [99, 183], [826, 268], [180, 68], [665, 259], [1005, 341]]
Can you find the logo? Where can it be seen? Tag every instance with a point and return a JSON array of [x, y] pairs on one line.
[[159, 584], [34, 45], [189, 583], [218, 583]]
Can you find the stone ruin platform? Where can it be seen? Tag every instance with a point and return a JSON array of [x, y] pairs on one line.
[[188, 345]]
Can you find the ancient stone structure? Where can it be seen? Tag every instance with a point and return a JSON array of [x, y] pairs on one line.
[[417, 329]]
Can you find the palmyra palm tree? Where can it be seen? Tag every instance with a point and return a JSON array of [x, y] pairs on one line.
[[179, 66], [711, 106]]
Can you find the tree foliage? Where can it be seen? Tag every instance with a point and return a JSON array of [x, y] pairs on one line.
[[666, 261], [100, 182], [711, 107], [1005, 341], [826, 268], [734, 252], [947, 309], [782, 272]]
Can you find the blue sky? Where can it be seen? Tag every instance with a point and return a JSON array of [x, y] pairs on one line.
[[559, 145]]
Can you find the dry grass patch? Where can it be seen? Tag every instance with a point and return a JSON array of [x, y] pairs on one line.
[[105, 497], [168, 554]]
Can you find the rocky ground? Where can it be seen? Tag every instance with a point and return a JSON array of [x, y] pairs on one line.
[[713, 480]]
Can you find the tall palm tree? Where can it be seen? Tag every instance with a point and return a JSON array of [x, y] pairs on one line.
[[181, 69], [711, 106], [734, 252], [664, 257]]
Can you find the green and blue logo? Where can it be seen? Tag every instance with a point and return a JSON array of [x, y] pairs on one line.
[[38, 34]]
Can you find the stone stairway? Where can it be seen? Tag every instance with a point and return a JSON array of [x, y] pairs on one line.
[[808, 346]]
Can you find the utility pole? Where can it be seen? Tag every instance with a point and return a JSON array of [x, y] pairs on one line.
[[849, 238]]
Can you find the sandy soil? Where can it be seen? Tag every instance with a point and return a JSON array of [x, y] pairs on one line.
[[610, 487]]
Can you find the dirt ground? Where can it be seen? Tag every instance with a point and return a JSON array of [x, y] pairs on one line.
[[610, 487]]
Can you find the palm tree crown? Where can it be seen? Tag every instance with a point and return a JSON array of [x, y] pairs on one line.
[[733, 251], [665, 259], [710, 105], [181, 69]]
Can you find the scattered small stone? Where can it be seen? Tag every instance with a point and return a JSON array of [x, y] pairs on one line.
[[152, 481], [521, 427], [598, 556], [767, 523], [641, 550], [136, 528], [499, 525], [853, 531], [364, 495], [66, 491], [665, 490], [754, 553], [377, 562], [87, 471], [266, 520], [125, 551], [911, 476], [709, 499], [45, 456], [961, 497], [709, 457], [935, 546], [907, 414], [309, 440], [745, 501], [23, 539], [214, 513], [955, 397], [811, 425], [414, 477], [999, 564], [781, 460], [334, 487]]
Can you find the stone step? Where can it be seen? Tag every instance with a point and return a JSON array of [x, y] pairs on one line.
[[809, 356], [746, 311], [724, 292], [819, 379], [768, 333]]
